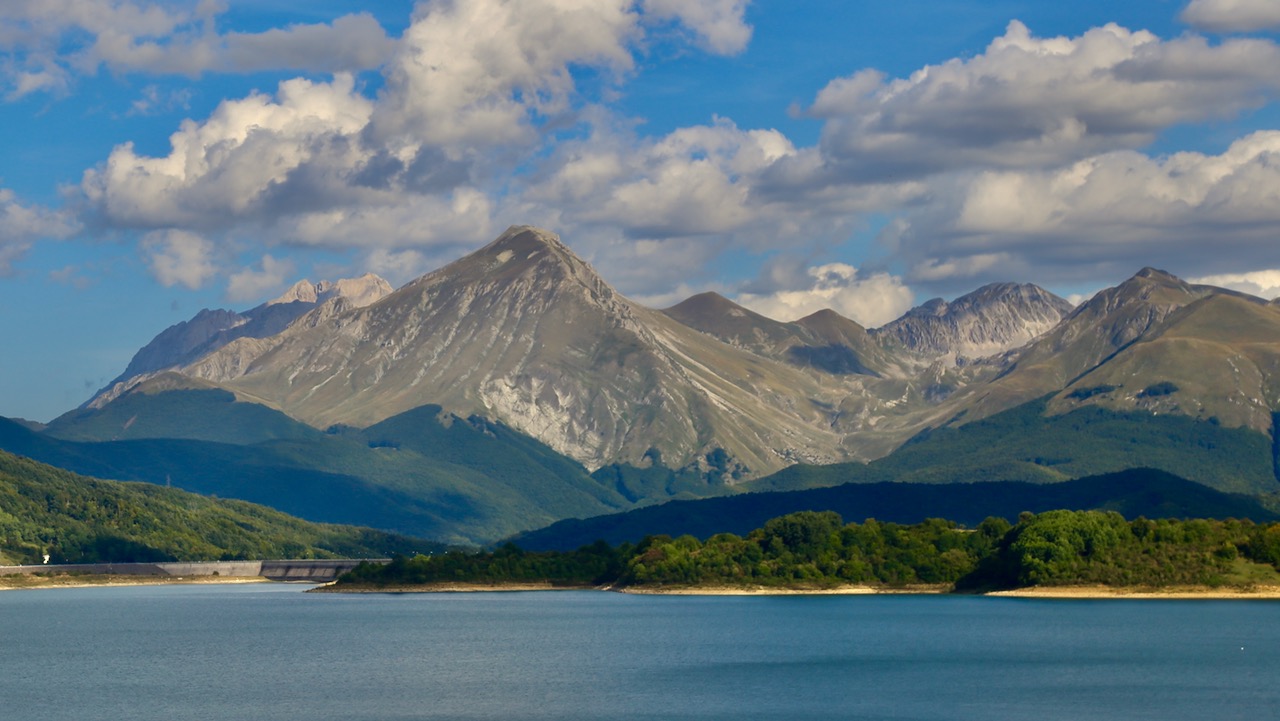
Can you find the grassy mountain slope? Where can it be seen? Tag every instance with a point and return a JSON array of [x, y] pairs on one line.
[[198, 414], [824, 341], [1024, 444], [1133, 493], [84, 520], [1084, 341], [1217, 357], [425, 473]]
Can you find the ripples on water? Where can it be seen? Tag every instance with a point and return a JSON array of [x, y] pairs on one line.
[[268, 652]]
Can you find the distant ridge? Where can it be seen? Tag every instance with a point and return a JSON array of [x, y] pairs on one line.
[[209, 330], [1133, 493]]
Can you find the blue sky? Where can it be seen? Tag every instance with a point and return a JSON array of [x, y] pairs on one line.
[[163, 157]]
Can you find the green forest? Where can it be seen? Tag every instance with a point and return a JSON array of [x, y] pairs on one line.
[[816, 550], [74, 519]]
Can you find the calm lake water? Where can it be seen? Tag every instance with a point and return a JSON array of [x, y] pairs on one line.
[[265, 652]]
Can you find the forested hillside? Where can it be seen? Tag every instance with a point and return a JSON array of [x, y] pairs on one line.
[[74, 519]]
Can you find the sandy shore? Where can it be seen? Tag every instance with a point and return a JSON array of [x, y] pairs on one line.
[[36, 582], [448, 588], [1255, 592], [1252, 592], [852, 590], [648, 591]]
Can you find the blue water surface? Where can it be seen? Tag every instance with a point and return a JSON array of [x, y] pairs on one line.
[[267, 652]]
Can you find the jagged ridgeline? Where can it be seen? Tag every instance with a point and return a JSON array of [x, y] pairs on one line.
[[75, 519], [525, 333], [515, 387]]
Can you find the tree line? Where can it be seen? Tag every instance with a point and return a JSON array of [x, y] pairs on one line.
[[817, 550]]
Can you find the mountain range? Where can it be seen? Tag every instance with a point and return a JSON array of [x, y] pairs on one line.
[[526, 333], [524, 345]]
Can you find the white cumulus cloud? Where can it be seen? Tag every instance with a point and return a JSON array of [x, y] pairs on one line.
[[870, 299], [242, 162], [253, 283], [693, 181], [177, 257], [348, 44], [23, 224], [481, 73], [1262, 283], [1029, 101], [474, 73], [432, 161], [1109, 214], [49, 43], [1232, 15], [325, 164], [719, 24]]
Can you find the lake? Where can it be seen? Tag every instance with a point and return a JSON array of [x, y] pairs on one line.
[[269, 651]]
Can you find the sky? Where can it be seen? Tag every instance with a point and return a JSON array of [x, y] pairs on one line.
[[160, 157]]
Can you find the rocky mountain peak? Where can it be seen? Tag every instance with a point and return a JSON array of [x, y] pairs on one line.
[[210, 330], [1107, 323], [936, 307], [1013, 293], [1154, 291], [710, 300], [710, 307], [524, 248], [826, 316], [991, 320], [520, 251], [304, 291], [527, 241], [365, 290], [719, 317], [1155, 274], [1148, 279], [525, 266]]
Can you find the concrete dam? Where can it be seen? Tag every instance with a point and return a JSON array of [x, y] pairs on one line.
[[308, 570]]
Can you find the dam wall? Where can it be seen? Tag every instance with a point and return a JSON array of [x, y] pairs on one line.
[[311, 570]]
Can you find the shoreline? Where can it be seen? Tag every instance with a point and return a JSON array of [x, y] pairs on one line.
[[332, 587], [850, 590], [1261, 592], [1034, 592], [1142, 593], [38, 582]]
